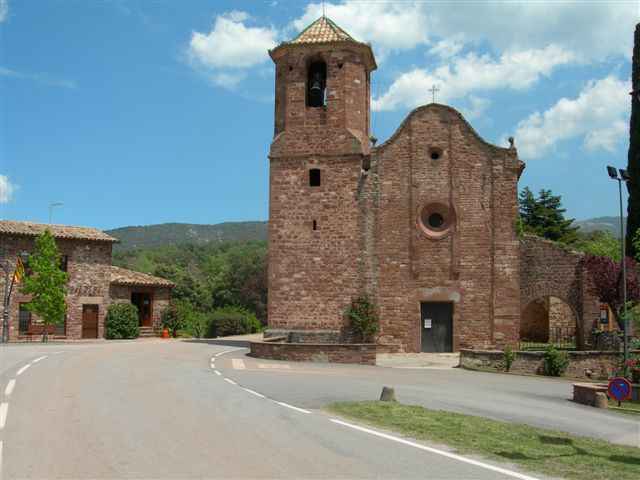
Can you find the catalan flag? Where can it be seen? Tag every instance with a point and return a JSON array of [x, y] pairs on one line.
[[19, 272]]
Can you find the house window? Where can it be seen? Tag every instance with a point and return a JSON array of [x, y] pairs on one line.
[[315, 225], [24, 318], [314, 177], [64, 262], [316, 84]]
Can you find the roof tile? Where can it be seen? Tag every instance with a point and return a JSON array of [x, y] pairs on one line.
[[322, 30], [11, 227], [122, 276]]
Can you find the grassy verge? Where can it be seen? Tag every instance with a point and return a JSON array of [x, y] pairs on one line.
[[629, 407], [534, 449]]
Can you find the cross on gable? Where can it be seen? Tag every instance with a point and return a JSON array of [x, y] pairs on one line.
[[433, 91]]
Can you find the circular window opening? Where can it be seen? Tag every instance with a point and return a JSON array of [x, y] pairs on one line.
[[436, 220], [435, 153]]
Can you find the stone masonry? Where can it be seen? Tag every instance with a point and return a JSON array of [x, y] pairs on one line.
[[367, 228]]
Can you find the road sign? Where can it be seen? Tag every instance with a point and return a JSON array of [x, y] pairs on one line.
[[620, 389]]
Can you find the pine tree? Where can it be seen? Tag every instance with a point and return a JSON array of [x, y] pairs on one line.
[[633, 165], [544, 216], [46, 283]]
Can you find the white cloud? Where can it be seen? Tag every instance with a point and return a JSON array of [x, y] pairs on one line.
[[231, 44], [389, 26], [476, 107], [4, 10], [6, 189], [599, 114], [472, 73], [592, 30], [42, 78], [447, 48]]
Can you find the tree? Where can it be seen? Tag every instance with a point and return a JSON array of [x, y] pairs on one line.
[[606, 275], [633, 162], [544, 216], [600, 243], [46, 283]]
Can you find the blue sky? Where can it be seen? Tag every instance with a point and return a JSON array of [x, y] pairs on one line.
[[151, 111]]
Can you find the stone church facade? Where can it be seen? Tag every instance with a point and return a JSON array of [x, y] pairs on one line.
[[424, 223]]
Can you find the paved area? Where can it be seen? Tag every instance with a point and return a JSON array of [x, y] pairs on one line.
[[438, 361], [171, 409], [538, 401]]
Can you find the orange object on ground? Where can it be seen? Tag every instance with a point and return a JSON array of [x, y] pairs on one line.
[[165, 333]]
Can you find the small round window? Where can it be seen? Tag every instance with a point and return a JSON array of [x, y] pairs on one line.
[[436, 219], [435, 153]]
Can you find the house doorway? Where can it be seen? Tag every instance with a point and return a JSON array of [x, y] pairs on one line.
[[436, 325], [90, 321], [142, 300]]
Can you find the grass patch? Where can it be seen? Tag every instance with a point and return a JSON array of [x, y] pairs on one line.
[[534, 449], [629, 407]]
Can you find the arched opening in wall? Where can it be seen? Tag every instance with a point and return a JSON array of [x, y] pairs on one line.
[[547, 320], [317, 84]]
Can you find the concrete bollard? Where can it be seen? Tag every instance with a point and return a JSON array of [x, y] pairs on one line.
[[601, 400], [388, 395]]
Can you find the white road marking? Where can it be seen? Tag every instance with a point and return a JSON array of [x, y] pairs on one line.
[[238, 363], [229, 351], [217, 372], [23, 369], [253, 392], [39, 358], [4, 410], [9, 390], [453, 456], [228, 380], [213, 365], [302, 410], [274, 366]]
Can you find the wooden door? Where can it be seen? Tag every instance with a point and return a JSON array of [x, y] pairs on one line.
[[90, 321], [437, 326], [144, 302]]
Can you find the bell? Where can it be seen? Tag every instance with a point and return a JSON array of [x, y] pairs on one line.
[[316, 88]]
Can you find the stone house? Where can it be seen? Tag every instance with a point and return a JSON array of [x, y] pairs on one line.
[[93, 284], [424, 223]]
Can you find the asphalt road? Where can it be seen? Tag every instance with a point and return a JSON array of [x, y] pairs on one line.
[[154, 409], [538, 401]]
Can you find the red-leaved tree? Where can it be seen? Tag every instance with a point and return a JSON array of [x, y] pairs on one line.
[[606, 276]]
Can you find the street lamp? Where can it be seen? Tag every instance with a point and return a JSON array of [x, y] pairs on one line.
[[9, 277], [52, 205], [623, 177]]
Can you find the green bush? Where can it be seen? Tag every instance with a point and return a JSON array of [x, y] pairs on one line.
[[172, 320], [362, 317], [196, 324], [232, 321], [555, 362], [122, 321], [509, 357]]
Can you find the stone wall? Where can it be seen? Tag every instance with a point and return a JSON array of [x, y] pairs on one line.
[[315, 352], [582, 364], [548, 269], [88, 280]]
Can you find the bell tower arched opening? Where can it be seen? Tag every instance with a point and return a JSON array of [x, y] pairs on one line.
[[317, 83]]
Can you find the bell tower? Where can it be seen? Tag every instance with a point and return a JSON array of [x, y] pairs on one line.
[[322, 95], [320, 145]]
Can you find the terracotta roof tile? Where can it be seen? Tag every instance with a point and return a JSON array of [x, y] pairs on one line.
[[59, 231], [322, 30], [122, 276]]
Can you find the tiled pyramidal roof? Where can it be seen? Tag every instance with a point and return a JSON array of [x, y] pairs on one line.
[[122, 276], [322, 30]]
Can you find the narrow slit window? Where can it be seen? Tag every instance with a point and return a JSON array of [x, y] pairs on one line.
[[315, 225], [314, 177]]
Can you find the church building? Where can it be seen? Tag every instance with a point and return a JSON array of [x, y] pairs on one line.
[[424, 223]]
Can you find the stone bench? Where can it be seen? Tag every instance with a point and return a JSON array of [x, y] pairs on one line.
[[587, 394]]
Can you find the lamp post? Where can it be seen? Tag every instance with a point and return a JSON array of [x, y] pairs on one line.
[[9, 276], [52, 205], [623, 177]]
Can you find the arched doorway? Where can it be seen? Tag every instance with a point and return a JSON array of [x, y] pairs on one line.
[[548, 320]]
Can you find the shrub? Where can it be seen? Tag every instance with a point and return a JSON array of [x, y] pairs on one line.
[[232, 321], [555, 362], [509, 357], [197, 324], [362, 317], [122, 321], [172, 319]]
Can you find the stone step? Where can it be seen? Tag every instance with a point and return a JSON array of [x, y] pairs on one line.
[[148, 332]]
